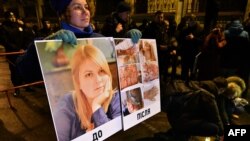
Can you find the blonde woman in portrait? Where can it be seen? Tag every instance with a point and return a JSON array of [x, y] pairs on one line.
[[93, 101], [147, 51]]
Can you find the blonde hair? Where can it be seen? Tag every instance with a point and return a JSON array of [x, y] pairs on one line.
[[234, 89], [83, 108], [238, 80], [236, 85]]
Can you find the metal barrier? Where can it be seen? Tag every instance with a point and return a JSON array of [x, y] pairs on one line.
[[12, 53], [6, 90], [17, 87]]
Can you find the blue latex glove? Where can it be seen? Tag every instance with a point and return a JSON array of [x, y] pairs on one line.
[[66, 35], [135, 35]]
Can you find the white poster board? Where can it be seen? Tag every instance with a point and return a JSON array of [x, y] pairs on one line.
[[78, 72], [138, 79], [128, 85]]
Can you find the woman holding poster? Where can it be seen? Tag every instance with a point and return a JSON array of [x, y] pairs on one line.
[[75, 16], [93, 101]]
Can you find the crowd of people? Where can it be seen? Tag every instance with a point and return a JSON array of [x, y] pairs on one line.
[[223, 51]]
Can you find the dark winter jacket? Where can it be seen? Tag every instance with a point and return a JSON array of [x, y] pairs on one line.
[[236, 52], [236, 29], [156, 31], [109, 27], [12, 37], [221, 100], [187, 102]]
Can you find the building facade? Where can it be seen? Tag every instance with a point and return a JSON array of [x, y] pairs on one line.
[[35, 10]]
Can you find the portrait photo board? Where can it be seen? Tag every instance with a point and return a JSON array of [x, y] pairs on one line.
[[55, 57], [135, 77]]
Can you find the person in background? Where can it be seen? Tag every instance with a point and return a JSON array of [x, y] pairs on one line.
[[199, 116], [157, 30], [230, 102], [116, 24], [144, 25], [93, 101], [173, 52], [132, 25], [75, 18], [190, 39], [12, 37], [209, 106], [210, 58], [235, 54], [172, 26], [46, 29]]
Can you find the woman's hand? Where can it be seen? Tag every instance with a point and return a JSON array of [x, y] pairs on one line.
[[100, 99]]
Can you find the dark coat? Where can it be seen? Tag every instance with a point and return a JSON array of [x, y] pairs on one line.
[[12, 37], [109, 27], [156, 31], [209, 60], [236, 52], [187, 103]]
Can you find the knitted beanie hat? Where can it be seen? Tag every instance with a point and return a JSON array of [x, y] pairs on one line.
[[59, 5]]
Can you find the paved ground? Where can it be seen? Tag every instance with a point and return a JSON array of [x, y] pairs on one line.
[[29, 120]]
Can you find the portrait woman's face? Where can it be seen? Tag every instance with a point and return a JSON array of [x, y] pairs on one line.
[[78, 13], [93, 79]]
